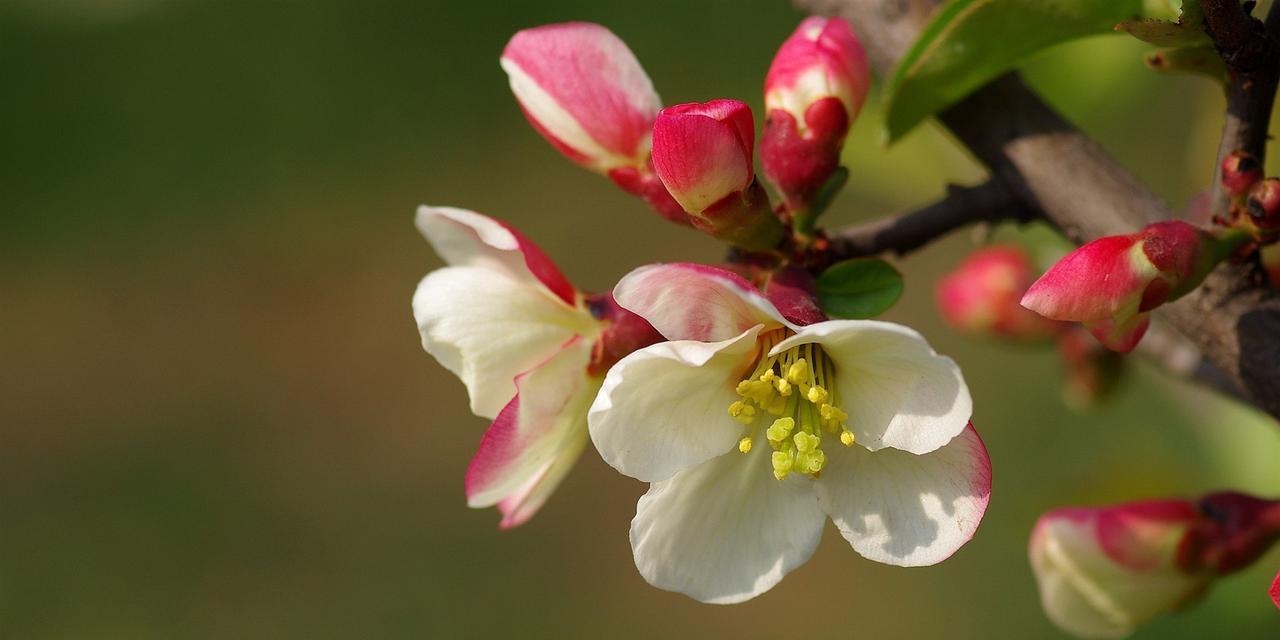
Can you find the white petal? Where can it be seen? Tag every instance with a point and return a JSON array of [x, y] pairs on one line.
[[905, 509], [726, 530], [694, 302], [664, 408], [487, 327], [897, 391], [548, 414]]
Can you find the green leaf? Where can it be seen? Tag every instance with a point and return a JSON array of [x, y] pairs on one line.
[[859, 288], [970, 42]]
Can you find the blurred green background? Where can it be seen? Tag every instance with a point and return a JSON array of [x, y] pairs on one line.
[[217, 420]]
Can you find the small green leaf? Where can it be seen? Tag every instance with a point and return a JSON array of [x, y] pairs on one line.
[[970, 42], [859, 288], [1187, 30]]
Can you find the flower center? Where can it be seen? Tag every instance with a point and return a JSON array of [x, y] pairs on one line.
[[794, 393]]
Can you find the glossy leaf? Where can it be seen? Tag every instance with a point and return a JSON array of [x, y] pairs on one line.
[[970, 42], [859, 288]]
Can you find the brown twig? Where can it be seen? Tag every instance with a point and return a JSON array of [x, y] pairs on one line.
[[901, 234], [1049, 165], [1250, 54]]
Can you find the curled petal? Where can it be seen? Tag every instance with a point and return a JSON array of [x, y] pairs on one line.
[[583, 90], [904, 509], [702, 153], [685, 301], [544, 422], [726, 530], [898, 392], [524, 502], [664, 408]]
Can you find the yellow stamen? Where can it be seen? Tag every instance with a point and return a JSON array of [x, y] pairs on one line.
[[846, 438], [744, 445]]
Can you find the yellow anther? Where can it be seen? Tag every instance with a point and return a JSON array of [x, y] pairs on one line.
[[782, 463], [810, 461], [783, 386], [768, 376], [736, 408], [829, 412], [798, 372], [806, 442], [744, 445], [817, 395], [846, 438], [780, 429]]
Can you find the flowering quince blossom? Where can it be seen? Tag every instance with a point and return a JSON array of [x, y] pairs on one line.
[[584, 91], [980, 296], [731, 421], [1112, 284], [702, 153], [813, 92], [529, 347]]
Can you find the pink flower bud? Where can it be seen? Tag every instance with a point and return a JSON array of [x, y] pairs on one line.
[[702, 153], [813, 91], [1112, 284], [1274, 592], [1102, 572], [1240, 170], [585, 92], [981, 295]]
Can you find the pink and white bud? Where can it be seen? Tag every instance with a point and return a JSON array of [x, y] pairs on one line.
[[1103, 572], [585, 92], [1112, 284], [980, 297], [702, 153], [813, 92]]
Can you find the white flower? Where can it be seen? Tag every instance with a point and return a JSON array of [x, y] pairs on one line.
[[753, 431]]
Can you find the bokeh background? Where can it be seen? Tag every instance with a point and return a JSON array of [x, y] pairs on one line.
[[217, 420]]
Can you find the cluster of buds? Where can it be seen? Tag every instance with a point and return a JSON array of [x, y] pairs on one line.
[[1255, 202], [1103, 572], [1112, 284], [585, 92]]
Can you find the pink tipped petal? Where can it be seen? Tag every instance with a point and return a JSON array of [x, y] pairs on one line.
[[1091, 283], [725, 531], [685, 301], [548, 412], [702, 153], [583, 90], [898, 392], [487, 327], [1121, 338], [467, 238], [522, 504], [664, 408], [904, 509]]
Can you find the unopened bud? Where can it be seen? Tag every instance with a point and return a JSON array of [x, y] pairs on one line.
[[980, 297], [702, 153], [814, 89], [1240, 170]]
